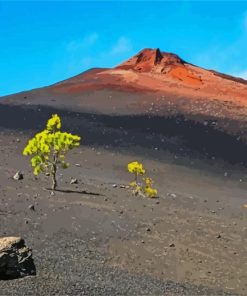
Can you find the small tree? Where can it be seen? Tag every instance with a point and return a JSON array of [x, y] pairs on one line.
[[48, 149]]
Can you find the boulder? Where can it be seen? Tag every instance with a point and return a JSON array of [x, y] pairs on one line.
[[15, 258]]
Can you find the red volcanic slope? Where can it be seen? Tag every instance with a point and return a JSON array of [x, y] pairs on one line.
[[151, 60], [154, 71], [156, 62], [150, 82]]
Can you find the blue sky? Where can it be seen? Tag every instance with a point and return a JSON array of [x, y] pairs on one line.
[[45, 42]]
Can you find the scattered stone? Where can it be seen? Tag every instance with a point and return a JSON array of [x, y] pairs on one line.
[[173, 195], [73, 181], [47, 174], [31, 207], [77, 164], [114, 185], [218, 236], [172, 245], [225, 174], [148, 229], [52, 193], [15, 258], [18, 176]]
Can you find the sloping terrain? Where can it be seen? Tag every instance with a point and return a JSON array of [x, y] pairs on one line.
[[188, 126], [162, 93], [152, 82]]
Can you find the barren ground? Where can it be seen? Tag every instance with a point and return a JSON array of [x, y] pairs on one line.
[[105, 241]]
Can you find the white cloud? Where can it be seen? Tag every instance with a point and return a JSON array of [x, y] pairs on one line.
[[123, 45], [83, 43], [84, 53]]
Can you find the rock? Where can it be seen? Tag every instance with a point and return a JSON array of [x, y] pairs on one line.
[[31, 207], [15, 258], [18, 176], [74, 181], [173, 195], [172, 245], [114, 185], [77, 164]]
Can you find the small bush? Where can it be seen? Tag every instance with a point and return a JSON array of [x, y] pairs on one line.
[[48, 149], [141, 188]]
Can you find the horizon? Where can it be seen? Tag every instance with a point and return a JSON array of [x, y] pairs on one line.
[[46, 42]]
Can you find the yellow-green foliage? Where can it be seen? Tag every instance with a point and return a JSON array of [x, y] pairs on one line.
[[149, 191], [48, 148], [136, 168], [145, 188]]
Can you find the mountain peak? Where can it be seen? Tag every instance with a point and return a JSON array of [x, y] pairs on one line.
[[151, 60]]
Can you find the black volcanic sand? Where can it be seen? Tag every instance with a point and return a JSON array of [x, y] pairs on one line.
[[93, 238]]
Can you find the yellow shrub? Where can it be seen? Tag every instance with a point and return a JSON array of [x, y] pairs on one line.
[[48, 148], [137, 169], [150, 192]]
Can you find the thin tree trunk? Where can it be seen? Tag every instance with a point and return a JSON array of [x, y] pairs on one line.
[[53, 174]]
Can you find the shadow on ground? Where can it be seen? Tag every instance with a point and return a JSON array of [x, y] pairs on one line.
[[176, 134]]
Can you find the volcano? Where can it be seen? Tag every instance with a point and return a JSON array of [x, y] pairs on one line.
[[152, 73], [154, 84]]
